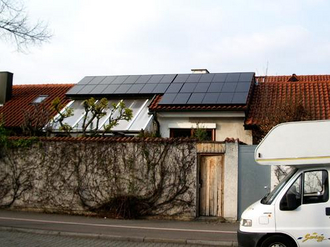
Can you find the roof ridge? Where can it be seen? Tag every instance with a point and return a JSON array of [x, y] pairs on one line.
[[262, 76], [45, 85], [292, 82]]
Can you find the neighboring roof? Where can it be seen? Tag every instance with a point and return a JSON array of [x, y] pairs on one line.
[[286, 78], [275, 93], [22, 101]]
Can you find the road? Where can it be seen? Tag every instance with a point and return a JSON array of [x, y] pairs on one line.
[[139, 231], [19, 239]]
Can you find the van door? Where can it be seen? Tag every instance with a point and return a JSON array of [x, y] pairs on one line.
[[304, 211]]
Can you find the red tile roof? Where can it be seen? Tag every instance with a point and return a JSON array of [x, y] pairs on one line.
[[21, 102], [275, 93], [154, 106], [286, 78]]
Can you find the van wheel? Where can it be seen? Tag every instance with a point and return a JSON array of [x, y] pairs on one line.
[[278, 241]]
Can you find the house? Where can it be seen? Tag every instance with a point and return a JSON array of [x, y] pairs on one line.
[[174, 105], [27, 107], [237, 105]]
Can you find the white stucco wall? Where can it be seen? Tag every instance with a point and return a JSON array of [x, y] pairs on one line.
[[227, 125], [230, 182]]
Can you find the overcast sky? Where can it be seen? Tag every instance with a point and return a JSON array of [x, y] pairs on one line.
[[119, 37]]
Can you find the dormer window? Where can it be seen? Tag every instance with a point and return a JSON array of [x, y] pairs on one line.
[[39, 99]]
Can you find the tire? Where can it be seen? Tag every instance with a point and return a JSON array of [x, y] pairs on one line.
[[278, 241]]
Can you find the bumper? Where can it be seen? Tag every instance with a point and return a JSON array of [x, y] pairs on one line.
[[248, 239]]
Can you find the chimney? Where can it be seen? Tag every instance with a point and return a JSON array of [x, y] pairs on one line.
[[200, 71], [6, 84], [294, 77]]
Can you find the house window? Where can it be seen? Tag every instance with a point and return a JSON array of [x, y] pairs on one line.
[[39, 99], [210, 133]]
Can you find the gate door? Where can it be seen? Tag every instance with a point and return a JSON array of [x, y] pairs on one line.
[[210, 196]]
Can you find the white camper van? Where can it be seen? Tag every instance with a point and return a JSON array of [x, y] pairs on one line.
[[297, 211]]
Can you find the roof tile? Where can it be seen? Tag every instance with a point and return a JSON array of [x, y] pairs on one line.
[[22, 97], [274, 93]]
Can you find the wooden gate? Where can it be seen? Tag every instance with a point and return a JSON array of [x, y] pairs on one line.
[[211, 193]]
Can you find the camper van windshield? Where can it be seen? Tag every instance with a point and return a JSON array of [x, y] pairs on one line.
[[268, 199]]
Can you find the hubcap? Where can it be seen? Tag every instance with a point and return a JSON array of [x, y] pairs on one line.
[[277, 245]]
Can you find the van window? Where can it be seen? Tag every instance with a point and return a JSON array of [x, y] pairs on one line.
[[269, 198], [310, 187], [316, 187], [292, 198]]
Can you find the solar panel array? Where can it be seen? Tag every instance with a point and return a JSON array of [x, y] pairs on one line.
[[217, 88], [177, 89], [119, 85]]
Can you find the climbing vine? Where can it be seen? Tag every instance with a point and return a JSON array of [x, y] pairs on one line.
[[108, 178]]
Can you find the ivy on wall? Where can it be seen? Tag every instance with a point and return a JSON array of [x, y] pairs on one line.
[[108, 178]]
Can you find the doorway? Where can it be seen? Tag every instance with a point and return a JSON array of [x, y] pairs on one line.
[[211, 185]]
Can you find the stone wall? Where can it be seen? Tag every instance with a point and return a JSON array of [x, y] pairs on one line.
[[123, 177]]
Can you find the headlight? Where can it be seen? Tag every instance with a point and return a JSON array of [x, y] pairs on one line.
[[246, 222]]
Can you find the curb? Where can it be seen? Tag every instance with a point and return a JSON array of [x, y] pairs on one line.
[[122, 238]]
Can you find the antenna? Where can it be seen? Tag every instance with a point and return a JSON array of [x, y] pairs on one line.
[[266, 69]]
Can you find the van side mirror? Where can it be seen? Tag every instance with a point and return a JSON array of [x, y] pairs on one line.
[[291, 201]]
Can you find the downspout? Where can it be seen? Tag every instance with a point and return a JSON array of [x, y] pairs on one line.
[[154, 114]]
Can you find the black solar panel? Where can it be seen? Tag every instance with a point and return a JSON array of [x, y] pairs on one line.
[[239, 98], [188, 88], [181, 78], [233, 77], [221, 77], [161, 88], [75, 89], [110, 89], [86, 80], [148, 88], [143, 79], [168, 78], [174, 88], [86, 89], [215, 88], [156, 79], [243, 87], [206, 77], [202, 87], [108, 80], [194, 78], [119, 79], [196, 98], [181, 98], [135, 89], [131, 79], [246, 76], [225, 98], [229, 87], [122, 89], [96, 80], [168, 98], [211, 98], [98, 89]]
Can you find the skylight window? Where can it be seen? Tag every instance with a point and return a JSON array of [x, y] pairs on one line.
[[39, 99]]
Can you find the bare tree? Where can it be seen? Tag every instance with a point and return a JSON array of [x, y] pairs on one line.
[[15, 25]]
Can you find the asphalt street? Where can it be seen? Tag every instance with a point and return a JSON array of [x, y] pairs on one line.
[[137, 231], [19, 239]]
